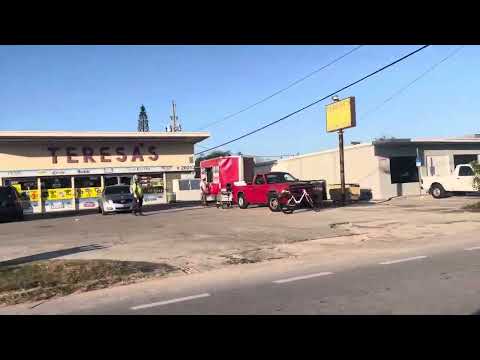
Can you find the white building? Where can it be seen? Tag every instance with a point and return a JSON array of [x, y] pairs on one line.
[[386, 167]]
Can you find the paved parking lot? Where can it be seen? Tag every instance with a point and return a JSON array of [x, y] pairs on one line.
[[207, 237]]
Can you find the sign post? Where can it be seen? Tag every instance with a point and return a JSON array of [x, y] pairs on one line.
[[342, 164], [418, 163], [340, 116]]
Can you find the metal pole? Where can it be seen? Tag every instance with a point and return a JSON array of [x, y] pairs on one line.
[[419, 170], [342, 165]]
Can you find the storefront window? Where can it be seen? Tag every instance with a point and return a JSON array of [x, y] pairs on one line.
[[153, 188], [125, 180], [111, 180], [27, 188], [87, 182], [87, 187], [57, 192], [152, 184], [189, 184], [22, 184], [194, 184], [184, 185], [56, 182]]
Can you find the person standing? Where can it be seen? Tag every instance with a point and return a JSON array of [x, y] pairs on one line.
[[137, 192], [204, 190]]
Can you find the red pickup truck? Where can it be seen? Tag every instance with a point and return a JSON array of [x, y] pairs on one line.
[[265, 188]]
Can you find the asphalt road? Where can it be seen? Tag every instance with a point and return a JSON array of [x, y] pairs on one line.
[[445, 283]]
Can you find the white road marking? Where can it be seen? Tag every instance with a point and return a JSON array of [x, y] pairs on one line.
[[402, 260], [281, 281], [160, 303], [472, 248]]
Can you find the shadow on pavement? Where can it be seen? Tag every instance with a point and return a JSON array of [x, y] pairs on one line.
[[51, 254], [76, 213], [62, 214]]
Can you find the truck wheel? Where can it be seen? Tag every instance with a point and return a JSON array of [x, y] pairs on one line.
[[242, 202], [437, 191], [273, 203]]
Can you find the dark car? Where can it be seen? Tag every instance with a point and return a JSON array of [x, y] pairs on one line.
[[116, 198], [10, 205]]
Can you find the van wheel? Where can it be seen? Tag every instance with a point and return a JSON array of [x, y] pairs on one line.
[[273, 203], [437, 191], [242, 202]]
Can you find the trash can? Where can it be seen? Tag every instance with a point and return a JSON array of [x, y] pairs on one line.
[[352, 192]]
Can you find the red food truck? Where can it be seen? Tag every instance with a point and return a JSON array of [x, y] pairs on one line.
[[239, 171], [233, 170]]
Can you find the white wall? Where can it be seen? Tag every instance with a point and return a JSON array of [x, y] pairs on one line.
[[361, 167]]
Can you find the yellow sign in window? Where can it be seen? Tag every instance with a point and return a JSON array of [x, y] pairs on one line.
[[59, 194], [85, 193], [341, 114]]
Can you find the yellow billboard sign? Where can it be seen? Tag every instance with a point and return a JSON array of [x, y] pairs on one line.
[[341, 114]]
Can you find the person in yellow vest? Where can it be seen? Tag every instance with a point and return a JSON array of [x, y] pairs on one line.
[[137, 192]]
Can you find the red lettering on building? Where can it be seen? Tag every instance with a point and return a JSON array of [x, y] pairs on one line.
[[103, 153], [88, 154], [151, 150], [70, 154], [121, 151], [53, 153], [136, 154]]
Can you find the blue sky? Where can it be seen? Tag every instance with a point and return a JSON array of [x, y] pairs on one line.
[[102, 88]]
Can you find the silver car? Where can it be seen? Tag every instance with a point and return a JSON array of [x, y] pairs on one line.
[[116, 198]]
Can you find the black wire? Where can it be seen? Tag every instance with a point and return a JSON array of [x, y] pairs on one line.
[[281, 90], [401, 90], [317, 101]]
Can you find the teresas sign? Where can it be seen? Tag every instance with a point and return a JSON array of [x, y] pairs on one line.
[[102, 154]]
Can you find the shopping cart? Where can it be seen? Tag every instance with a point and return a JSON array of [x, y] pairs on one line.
[[225, 199]]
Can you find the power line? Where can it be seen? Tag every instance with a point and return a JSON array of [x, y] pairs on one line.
[[317, 101], [398, 92], [282, 90]]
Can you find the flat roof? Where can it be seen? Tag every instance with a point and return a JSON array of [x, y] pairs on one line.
[[180, 136], [470, 139], [438, 140]]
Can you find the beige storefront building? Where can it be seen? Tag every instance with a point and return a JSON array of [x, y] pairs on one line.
[[384, 168], [59, 171]]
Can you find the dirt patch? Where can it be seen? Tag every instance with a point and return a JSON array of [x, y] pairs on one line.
[[340, 224], [255, 256], [472, 207], [46, 279]]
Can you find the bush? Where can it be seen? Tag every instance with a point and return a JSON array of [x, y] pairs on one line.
[[476, 179]]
